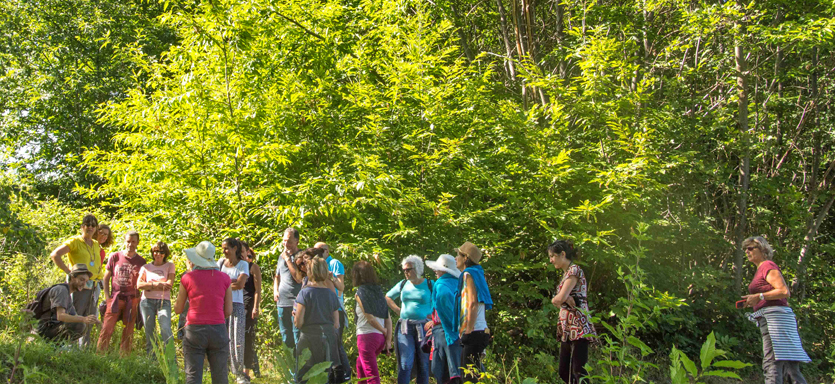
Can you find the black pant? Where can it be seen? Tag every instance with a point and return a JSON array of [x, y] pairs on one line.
[[573, 357], [54, 330], [250, 354], [321, 340], [473, 345]]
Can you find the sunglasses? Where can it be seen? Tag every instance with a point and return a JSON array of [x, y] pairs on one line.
[[751, 249], [408, 270], [92, 225]]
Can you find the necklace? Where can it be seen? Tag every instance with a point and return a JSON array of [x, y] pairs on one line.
[[90, 252]]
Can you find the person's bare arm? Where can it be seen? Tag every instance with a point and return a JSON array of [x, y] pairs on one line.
[[779, 291], [57, 259], [336, 319], [298, 318], [339, 282], [240, 282], [393, 305], [562, 296], [63, 316], [169, 282], [256, 279], [227, 302], [106, 283], [388, 333], [472, 306], [276, 282], [141, 284], [373, 323], [295, 272], [180, 304]]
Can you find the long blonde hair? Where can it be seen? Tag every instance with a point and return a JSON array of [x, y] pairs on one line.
[[317, 270]]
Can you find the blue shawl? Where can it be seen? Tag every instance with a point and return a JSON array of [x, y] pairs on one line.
[[480, 282], [444, 300]]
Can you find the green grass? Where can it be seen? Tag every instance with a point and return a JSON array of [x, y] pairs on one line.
[[42, 362]]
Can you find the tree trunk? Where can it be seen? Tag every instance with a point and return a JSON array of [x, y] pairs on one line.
[[798, 285], [462, 35], [744, 168], [507, 45]]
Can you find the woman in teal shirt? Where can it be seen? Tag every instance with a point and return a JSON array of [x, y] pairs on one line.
[[415, 294]]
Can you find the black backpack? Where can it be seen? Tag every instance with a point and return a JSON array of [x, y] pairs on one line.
[[403, 284], [39, 306]]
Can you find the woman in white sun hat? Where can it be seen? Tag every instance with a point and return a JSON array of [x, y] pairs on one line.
[[209, 293], [446, 345]]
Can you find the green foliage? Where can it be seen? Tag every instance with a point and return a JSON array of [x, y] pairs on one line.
[[681, 366], [623, 355], [403, 127], [59, 60], [166, 356]]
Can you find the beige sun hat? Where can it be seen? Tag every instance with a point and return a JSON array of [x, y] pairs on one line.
[[445, 263], [470, 250], [79, 269], [203, 255]]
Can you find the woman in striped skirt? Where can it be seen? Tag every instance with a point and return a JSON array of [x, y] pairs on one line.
[[768, 294]]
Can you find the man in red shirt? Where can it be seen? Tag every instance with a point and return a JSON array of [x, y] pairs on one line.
[[120, 293]]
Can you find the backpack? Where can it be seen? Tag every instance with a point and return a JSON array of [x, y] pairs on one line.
[[403, 284], [37, 307]]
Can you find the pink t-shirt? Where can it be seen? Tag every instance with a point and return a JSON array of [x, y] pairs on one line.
[[206, 290], [761, 285], [150, 273]]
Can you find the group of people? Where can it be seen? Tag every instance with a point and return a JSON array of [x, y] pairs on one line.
[[441, 328], [138, 293]]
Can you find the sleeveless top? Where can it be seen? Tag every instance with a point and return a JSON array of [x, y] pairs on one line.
[[760, 285], [574, 324], [249, 291], [363, 325], [481, 313]]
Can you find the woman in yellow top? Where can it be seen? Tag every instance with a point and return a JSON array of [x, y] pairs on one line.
[[85, 250]]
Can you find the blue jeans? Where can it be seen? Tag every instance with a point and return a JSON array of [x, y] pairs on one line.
[[409, 353], [153, 311], [446, 359], [285, 324]]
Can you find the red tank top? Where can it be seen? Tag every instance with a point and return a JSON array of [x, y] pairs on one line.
[[761, 285]]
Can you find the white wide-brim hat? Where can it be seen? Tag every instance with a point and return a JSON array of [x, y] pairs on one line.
[[203, 255], [445, 263]]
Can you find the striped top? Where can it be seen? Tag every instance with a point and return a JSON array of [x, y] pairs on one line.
[[782, 328]]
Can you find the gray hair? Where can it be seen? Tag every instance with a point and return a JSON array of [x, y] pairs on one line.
[[760, 242], [416, 262]]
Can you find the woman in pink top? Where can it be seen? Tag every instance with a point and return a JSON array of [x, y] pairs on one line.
[[209, 293], [155, 281], [768, 295]]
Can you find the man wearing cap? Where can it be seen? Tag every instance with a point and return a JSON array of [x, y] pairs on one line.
[[59, 319], [120, 293], [209, 292], [286, 285], [446, 349]]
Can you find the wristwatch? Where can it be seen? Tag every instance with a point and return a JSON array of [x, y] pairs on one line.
[[762, 297]]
